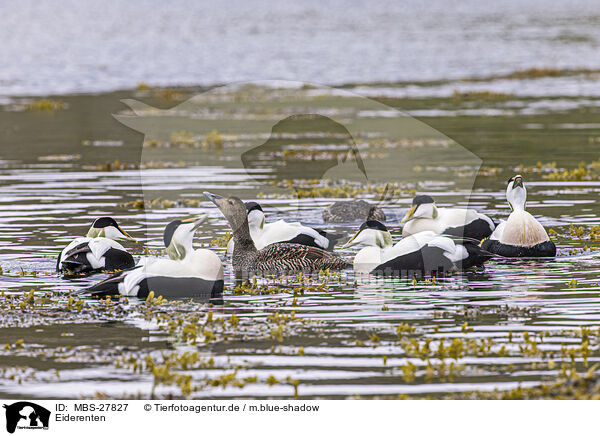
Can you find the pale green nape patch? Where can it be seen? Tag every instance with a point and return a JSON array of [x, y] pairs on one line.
[[384, 239], [262, 223], [435, 212], [95, 233], [176, 251]]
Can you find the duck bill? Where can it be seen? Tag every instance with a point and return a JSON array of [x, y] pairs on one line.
[[127, 235], [409, 215], [518, 182], [213, 197], [350, 241], [197, 221]]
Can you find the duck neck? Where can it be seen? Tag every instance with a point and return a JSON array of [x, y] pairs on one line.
[[517, 197], [384, 240], [94, 232], [243, 242], [244, 252], [179, 250]]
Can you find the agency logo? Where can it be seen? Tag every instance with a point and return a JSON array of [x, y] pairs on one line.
[[26, 415]]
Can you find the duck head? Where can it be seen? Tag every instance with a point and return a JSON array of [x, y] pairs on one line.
[[234, 210], [107, 227], [516, 194], [179, 235], [372, 233], [423, 206]]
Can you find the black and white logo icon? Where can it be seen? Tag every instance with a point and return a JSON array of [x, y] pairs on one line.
[[26, 415]]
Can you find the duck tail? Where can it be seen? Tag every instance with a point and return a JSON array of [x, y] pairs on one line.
[[477, 256], [108, 287], [462, 239]]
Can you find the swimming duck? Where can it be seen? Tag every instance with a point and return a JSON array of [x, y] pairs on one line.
[[353, 210], [188, 272], [422, 253], [97, 251], [425, 215], [274, 258], [280, 231], [521, 235]]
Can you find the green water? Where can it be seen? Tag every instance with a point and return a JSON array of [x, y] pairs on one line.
[[343, 339]]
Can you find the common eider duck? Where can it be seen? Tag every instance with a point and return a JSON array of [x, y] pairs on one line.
[[264, 234], [424, 215], [97, 251], [521, 235], [424, 253], [188, 273], [279, 257], [353, 210]]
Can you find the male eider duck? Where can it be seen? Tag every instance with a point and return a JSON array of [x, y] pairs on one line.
[[353, 210], [264, 234], [274, 258], [98, 251], [188, 273], [521, 235], [415, 255], [425, 215]]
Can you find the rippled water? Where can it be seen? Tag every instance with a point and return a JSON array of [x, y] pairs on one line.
[[47, 200], [191, 43]]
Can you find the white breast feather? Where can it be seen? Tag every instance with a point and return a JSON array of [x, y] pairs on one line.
[[522, 229], [367, 259], [497, 234]]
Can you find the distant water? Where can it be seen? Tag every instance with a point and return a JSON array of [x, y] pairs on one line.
[[84, 46]]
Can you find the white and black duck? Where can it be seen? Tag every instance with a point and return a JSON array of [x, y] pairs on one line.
[[188, 273], [264, 234], [424, 215], [352, 210], [97, 251], [521, 235], [279, 257], [422, 253]]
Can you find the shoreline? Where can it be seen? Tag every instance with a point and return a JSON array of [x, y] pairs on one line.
[[533, 73]]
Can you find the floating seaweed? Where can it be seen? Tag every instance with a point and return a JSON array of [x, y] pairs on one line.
[[117, 165], [45, 105]]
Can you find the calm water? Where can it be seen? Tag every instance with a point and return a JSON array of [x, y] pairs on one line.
[[51, 191], [120, 44]]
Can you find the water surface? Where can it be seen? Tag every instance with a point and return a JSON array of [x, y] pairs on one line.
[[345, 338]]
